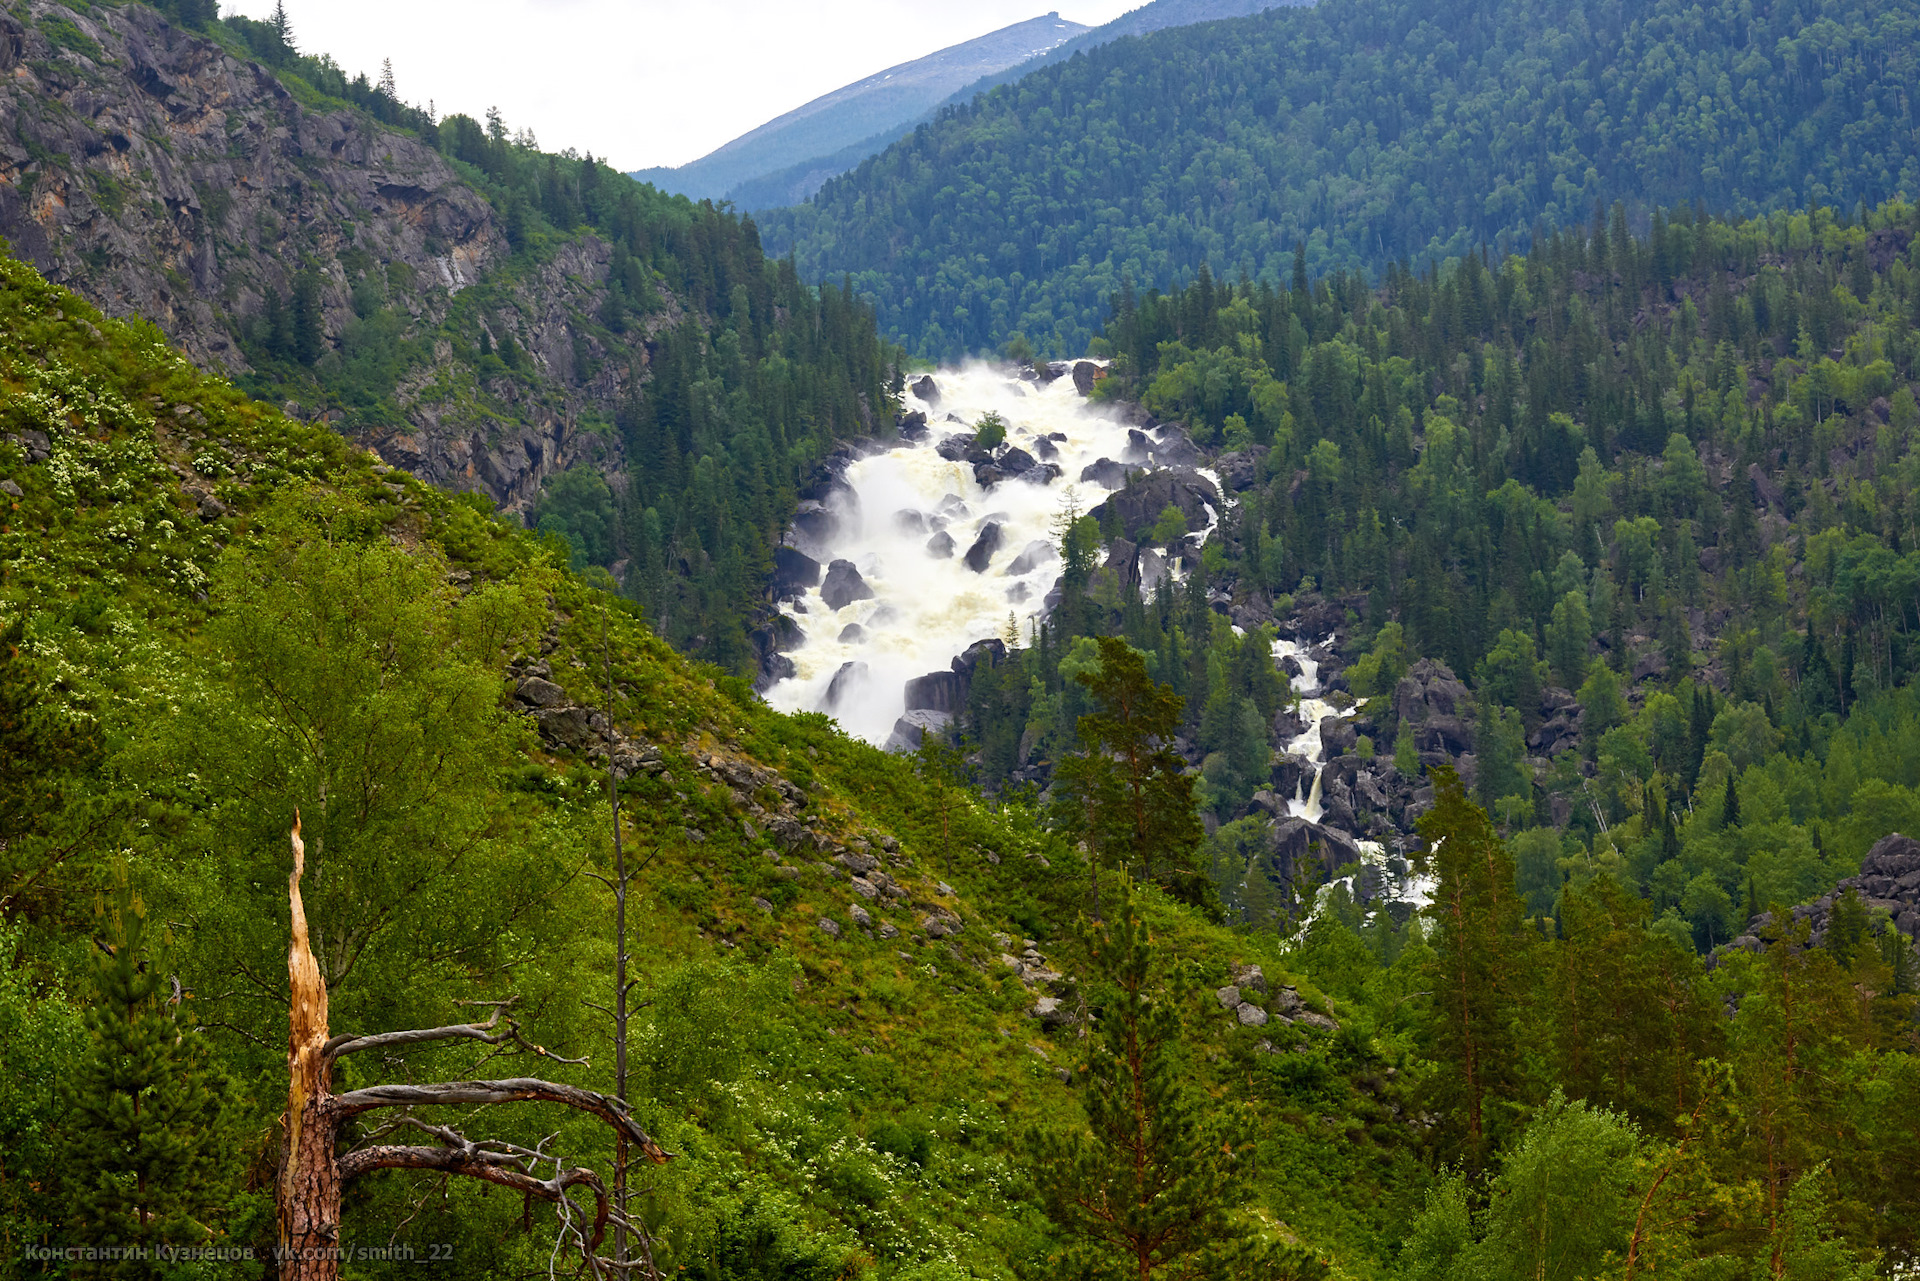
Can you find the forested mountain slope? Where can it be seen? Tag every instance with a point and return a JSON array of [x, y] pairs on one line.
[[1623, 528], [883, 103], [211, 616], [485, 314], [792, 183], [1367, 130]]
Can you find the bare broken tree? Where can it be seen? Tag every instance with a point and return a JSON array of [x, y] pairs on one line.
[[312, 1176]]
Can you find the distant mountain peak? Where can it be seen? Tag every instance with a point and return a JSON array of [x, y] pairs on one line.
[[890, 99]]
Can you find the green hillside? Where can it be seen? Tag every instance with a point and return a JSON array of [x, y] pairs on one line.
[[215, 615], [1367, 130], [179, 558]]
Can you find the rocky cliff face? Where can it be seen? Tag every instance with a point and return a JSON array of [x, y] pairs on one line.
[[157, 174]]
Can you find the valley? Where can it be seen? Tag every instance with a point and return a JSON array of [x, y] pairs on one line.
[[1277, 643]]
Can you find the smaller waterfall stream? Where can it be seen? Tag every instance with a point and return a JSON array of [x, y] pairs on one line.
[[1399, 883]]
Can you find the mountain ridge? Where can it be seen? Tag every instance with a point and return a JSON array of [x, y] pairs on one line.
[[1365, 132], [844, 117]]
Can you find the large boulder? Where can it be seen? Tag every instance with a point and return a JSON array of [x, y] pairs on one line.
[[1085, 375], [1295, 844], [794, 573], [1240, 470], [1105, 473], [911, 729], [1136, 507], [844, 585], [1172, 447], [926, 389], [1031, 557], [1337, 735], [992, 652], [980, 555], [813, 524], [937, 691], [1430, 689], [846, 683], [941, 546]]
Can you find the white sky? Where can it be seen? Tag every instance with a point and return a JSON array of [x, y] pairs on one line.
[[641, 82]]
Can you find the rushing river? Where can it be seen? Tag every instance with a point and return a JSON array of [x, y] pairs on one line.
[[907, 520], [920, 560]]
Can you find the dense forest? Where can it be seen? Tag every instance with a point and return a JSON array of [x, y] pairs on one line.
[[389, 887], [1366, 132], [215, 618], [1664, 481]]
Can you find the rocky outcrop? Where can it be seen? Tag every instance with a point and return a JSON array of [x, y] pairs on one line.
[[1888, 886], [1437, 707], [1136, 507], [844, 585], [159, 176]]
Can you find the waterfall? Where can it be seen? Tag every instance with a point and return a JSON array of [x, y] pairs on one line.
[[1399, 886], [940, 560]]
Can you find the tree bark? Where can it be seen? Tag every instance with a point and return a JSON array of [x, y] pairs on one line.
[[309, 1237]]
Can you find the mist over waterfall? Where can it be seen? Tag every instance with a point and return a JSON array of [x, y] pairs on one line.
[[919, 559]]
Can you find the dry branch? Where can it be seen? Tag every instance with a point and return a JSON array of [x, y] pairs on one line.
[[487, 1093]]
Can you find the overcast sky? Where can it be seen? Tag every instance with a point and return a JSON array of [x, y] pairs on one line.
[[641, 82]]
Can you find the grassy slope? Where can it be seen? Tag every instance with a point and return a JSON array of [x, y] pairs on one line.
[[857, 1040]]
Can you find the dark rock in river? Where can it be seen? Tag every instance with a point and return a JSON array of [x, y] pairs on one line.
[[1036, 553], [940, 546], [1085, 375], [937, 691], [981, 553], [794, 573], [1105, 473], [926, 389], [845, 682], [844, 585]]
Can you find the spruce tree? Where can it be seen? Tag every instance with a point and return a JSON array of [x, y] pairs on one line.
[[141, 1154]]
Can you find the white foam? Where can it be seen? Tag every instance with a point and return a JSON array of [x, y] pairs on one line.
[[926, 610]]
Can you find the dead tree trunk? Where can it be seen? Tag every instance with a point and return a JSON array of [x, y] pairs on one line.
[[312, 1173]]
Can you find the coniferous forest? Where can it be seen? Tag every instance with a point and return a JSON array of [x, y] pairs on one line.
[[1366, 132], [403, 873]]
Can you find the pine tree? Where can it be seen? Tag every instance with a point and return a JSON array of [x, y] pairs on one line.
[[386, 88], [1128, 789], [1480, 967], [142, 1153], [282, 26], [1145, 1189]]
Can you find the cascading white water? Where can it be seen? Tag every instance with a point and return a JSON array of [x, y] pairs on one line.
[[1312, 711], [928, 607], [1408, 887]]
